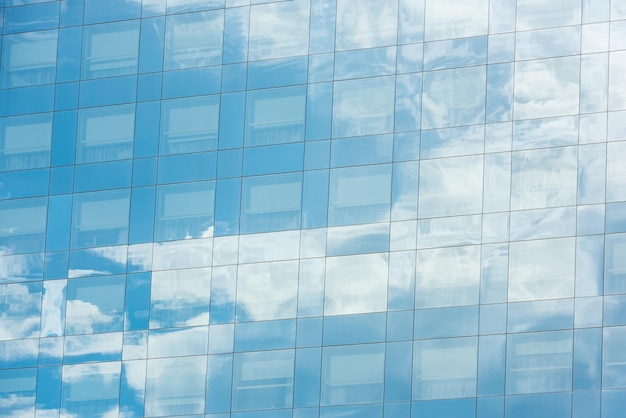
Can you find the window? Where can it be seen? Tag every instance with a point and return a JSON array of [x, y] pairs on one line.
[[23, 225], [91, 389], [111, 49], [25, 142], [271, 203], [185, 211], [100, 218], [105, 133], [615, 264], [275, 116], [189, 125], [194, 40], [29, 59]]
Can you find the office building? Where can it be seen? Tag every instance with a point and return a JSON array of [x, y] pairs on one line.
[[313, 208]]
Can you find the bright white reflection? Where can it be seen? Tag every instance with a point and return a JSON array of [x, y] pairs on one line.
[[453, 19], [373, 23], [19, 311], [541, 269], [279, 29], [271, 246], [180, 297], [545, 88], [53, 308], [534, 14], [267, 291], [356, 284], [182, 254]]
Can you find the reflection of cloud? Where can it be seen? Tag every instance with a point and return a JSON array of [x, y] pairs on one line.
[[17, 268], [373, 23], [140, 257], [95, 344], [20, 311], [267, 291], [17, 350], [447, 19], [17, 406], [178, 342], [182, 254], [74, 273], [279, 29], [84, 317], [356, 284], [53, 308], [271, 246]]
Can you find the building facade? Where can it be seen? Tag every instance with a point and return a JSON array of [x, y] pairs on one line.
[[313, 208]]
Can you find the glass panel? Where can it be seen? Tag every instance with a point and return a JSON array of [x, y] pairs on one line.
[[614, 358], [29, 59], [451, 186], [267, 291], [20, 310], [275, 116], [91, 389], [541, 269], [445, 368], [533, 14], [17, 392], [23, 225], [95, 305], [271, 203], [100, 218], [363, 107], [539, 362], [180, 298], [615, 264], [193, 40], [447, 277], [451, 19], [189, 125], [263, 380], [346, 381], [360, 195], [111, 49], [373, 23], [175, 386], [105, 133], [185, 211], [25, 142], [356, 284]]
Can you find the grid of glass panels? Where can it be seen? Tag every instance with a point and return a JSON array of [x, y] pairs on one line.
[[313, 208]]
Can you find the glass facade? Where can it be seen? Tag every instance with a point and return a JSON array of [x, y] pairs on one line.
[[313, 208]]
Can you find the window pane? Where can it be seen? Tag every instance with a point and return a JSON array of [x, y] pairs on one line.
[[193, 40], [614, 358], [275, 116], [539, 362], [17, 392], [29, 59], [20, 310], [263, 380], [541, 269], [360, 195], [445, 368], [185, 211], [267, 291], [288, 33], [105, 133], [356, 284], [615, 264], [363, 107], [451, 19], [373, 23], [23, 225], [345, 380], [271, 203], [100, 219], [91, 389], [111, 49], [95, 305], [533, 14], [189, 125], [25, 142]]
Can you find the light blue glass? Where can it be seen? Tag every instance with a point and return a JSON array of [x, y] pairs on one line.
[[19, 353], [535, 45], [445, 368], [540, 315], [91, 227], [382, 28], [543, 223], [96, 12], [493, 318], [25, 142], [97, 261], [447, 277], [102, 176], [31, 18], [399, 325], [146, 130], [408, 105], [354, 329], [452, 142], [95, 305], [444, 232], [594, 78], [499, 107], [307, 377], [533, 14], [322, 39], [26, 100], [221, 338], [184, 210], [265, 335], [586, 404], [189, 125], [24, 267], [590, 265], [18, 184], [218, 383], [88, 348], [501, 46], [539, 362], [18, 385], [179, 298], [48, 389], [549, 132], [615, 173], [190, 341], [227, 206], [363, 277], [544, 405], [91, 388], [612, 403], [108, 91], [363, 106], [192, 40], [276, 73], [193, 5], [273, 159], [311, 287], [587, 358], [397, 375], [275, 116], [110, 49], [137, 301], [357, 239], [22, 225], [491, 369], [446, 322], [263, 380], [361, 63], [319, 111], [29, 59], [105, 133], [132, 387], [236, 23], [346, 381], [176, 386], [191, 82], [490, 407], [187, 167], [66, 96], [361, 150], [614, 264], [404, 192], [455, 53], [271, 203]]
